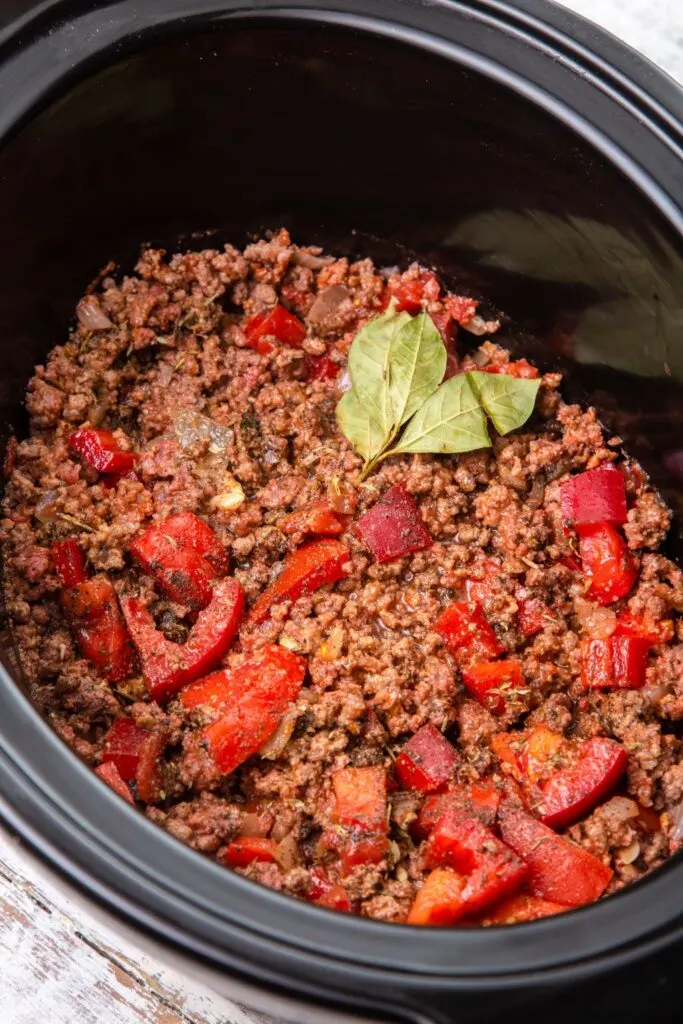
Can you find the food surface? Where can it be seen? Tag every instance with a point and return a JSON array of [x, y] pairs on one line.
[[357, 608]]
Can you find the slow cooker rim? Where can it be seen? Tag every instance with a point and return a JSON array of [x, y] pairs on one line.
[[21, 709]]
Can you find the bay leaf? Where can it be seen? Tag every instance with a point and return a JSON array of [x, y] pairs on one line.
[[369, 369], [417, 363], [508, 401], [451, 421], [357, 422]]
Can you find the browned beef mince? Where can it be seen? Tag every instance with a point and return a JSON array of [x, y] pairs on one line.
[[170, 344]]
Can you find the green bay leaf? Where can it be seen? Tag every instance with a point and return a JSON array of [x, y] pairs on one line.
[[451, 421], [357, 422], [508, 401], [369, 367], [417, 363]]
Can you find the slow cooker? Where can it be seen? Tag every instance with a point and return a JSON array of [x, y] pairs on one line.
[[519, 150]]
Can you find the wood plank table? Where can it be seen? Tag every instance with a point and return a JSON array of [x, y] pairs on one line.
[[60, 965]]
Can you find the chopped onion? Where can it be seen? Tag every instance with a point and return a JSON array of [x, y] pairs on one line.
[[477, 325], [342, 499], [676, 815], [327, 302], [191, 427], [253, 824], [276, 743], [311, 260], [345, 383], [598, 622], [287, 853], [91, 315], [46, 508], [231, 497]]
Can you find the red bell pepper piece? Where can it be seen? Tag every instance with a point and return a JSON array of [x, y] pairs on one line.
[[122, 746], [327, 893], [645, 627], [110, 774], [149, 777], [558, 870], [360, 810], [312, 566], [440, 900], [213, 691], [69, 562], [606, 562], [277, 323], [616, 663], [101, 450], [413, 293], [464, 627], [184, 556], [478, 799], [264, 687], [495, 684], [572, 791], [532, 615], [242, 852], [519, 368], [427, 761], [596, 496], [321, 368], [522, 907], [394, 527], [93, 612], [167, 666], [315, 518]]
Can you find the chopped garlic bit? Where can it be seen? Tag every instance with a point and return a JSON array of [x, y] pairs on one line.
[[331, 648], [290, 643], [230, 498]]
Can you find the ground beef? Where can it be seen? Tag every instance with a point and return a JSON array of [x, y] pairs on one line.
[[160, 357]]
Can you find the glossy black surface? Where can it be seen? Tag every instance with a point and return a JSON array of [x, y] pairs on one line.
[[475, 148]]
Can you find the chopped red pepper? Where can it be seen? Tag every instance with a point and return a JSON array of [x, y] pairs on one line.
[[532, 615], [495, 684], [92, 609], [440, 900], [522, 907], [312, 566], [242, 852], [315, 518], [263, 688], [327, 893], [149, 776], [185, 557], [464, 627], [645, 627], [321, 368], [101, 450], [616, 663], [519, 368], [427, 761], [596, 496], [571, 792], [558, 870], [360, 810], [110, 774], [69, 562], [538, 755], [606, 562], [276, 323], [122, 746], [412, 294], [167, 666], [478, 799], [213, 691], [394, 527]]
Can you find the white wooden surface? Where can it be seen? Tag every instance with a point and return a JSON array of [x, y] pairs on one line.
[[58, 965]]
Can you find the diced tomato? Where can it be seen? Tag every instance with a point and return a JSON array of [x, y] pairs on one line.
[[461, 307], [69, 561], [645, 627], [519, 368], [315, 518], [558, 870], [167, 666], [537, 757], [264, 687], [606, 562], [571, 792], [618, 662], [464, 627], [394, 527], [122, 746], [532, 615], [479, 799], [596, 496], [327, 893], [321, 368], [93, 612], [497, 685], [149, 776], [440, 900], [101, 450], [427, 761], [277, 323], [213, 691], [411, 294], [110, 774], [185, 556], [242, 852], [522, 907], [314, 565]]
